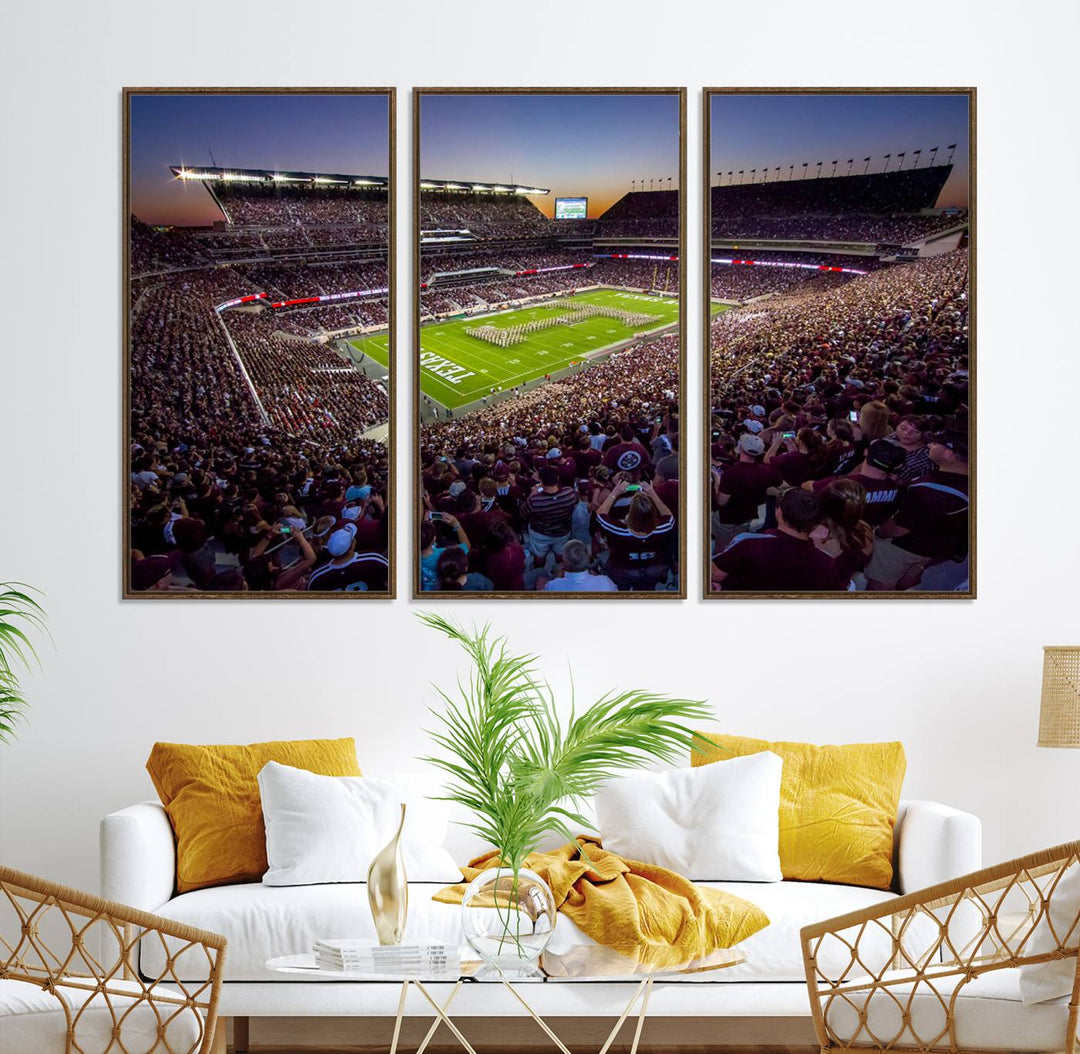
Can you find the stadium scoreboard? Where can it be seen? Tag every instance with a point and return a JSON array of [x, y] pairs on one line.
[[571, 208]]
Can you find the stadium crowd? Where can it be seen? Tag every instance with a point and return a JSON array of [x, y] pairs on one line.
[[219, 500], [840, 435], [496, 290], [305, 387], [226, 493], [573, 485], [485, 215], [306, 209], [740, 282], [843, 228], [437, 259], [152, 250]]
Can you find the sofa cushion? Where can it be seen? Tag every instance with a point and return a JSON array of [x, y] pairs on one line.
[[330, 828], [988, 1011], [838, 806], [32, 1021], [212, 798], [262, 922], [714, 823]]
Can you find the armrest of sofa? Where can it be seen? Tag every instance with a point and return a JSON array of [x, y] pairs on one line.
[[138, 856], [934, 843]]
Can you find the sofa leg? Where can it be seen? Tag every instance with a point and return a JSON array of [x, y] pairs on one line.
[[219, 1044], [240, 1034]]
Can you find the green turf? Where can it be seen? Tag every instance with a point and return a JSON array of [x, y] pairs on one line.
[[547, 351], [544, 352], [375, 347]]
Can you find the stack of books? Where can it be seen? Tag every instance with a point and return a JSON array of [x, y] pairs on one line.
[[363, 956]]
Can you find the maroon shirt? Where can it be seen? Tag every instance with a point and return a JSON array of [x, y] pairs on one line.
[[370, 533], [585, 459], [668, 493], [626, 457], [372, 569], [550, 514], [475, 524], [506, 567], [794, 467], [882, 495], [632, 552], [934, 509], [777, 562], [747, 483]]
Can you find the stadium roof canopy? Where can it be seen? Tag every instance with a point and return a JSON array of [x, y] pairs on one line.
[[265, 175], [479, 188]]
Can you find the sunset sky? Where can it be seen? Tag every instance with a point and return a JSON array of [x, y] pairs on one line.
[[575, 145], [347, 133], [754, 131]]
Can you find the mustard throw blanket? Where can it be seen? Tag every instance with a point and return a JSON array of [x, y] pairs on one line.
[[640, 910]]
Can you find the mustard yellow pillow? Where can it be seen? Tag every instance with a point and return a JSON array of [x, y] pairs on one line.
[[838, 806], [212, 797]]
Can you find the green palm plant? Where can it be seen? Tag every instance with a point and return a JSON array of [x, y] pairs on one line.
[[18, 611], [518, 768]]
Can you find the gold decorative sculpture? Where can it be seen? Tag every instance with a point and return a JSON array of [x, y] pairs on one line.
[[388, 889]]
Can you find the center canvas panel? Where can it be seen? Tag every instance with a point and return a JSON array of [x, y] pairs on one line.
[[549, 350]]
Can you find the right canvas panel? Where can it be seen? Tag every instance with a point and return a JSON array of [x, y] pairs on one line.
[[840, 389]]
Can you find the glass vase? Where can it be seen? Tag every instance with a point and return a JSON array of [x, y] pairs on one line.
[[508, 919]]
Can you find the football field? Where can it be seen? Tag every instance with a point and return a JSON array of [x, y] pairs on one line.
[[457, 369]]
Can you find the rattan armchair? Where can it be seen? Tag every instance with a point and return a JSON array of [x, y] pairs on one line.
[[69, 978], [929, 971]]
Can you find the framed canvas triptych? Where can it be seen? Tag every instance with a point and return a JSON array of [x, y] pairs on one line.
[[549, 426]]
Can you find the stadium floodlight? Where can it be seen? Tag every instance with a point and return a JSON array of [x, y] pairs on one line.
[[522, 190], [428, 185], [477, 186], [502, 190]]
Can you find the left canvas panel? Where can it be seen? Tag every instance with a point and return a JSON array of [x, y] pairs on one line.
[[258, 321]]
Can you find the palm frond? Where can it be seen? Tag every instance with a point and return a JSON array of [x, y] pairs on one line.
[[513, 762], [18, 609]]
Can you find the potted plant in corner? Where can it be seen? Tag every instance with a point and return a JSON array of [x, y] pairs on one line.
[[17, 610], [522, 771]]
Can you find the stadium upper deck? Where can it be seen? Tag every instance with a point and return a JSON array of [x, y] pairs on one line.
[[289, 214]]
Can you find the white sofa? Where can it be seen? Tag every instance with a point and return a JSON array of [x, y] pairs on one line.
[[762, 999]]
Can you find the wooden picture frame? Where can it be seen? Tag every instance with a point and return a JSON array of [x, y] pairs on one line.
[[961, 590], [305, 404], [420, 177]]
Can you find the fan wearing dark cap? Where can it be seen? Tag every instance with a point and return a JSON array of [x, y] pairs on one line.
[[931, 523], [876, 476]]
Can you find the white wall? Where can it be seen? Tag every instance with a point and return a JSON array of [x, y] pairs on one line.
[[957, 682]]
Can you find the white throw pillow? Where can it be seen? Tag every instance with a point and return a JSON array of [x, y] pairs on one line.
[[1043, 982], [330, 828], [716, 823]]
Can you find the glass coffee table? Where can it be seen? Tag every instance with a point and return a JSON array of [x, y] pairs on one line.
[[581, 963]]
